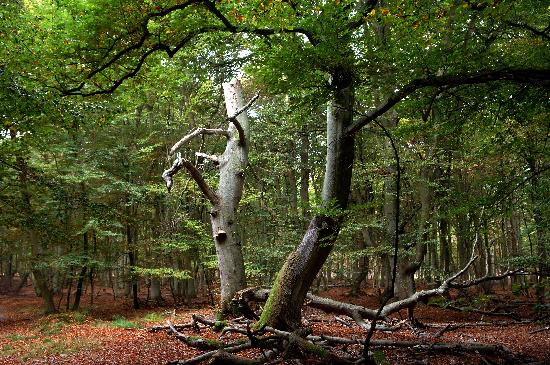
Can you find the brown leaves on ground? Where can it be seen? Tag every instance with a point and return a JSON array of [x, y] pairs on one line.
[[113, 333]]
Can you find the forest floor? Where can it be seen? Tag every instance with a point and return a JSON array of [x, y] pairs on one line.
[[111, 332]]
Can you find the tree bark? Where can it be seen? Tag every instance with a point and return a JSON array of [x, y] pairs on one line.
[[283, 308], [223, 215]]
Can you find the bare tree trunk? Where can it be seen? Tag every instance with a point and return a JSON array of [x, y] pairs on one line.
[[223, 215], [225, 202]]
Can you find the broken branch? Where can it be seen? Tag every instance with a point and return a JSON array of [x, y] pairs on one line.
[[233, 119], [180, 163], [215, 159]]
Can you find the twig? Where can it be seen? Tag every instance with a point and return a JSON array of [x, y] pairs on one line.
[[447, 328], [540, 330]]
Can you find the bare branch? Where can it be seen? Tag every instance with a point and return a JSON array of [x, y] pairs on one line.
[[528, 76], [196, 133], [424, 294], [180, 163], [215, 159], [233, 119], [244, 108], [478, 281]]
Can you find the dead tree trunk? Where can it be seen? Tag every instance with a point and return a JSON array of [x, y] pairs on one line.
[[225, 201]]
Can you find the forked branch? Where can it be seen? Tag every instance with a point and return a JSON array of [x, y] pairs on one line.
[[180, 163]]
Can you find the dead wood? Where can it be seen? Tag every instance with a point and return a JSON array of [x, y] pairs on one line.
[[449, 327], [292, 345], [196, 342], [295, 345], [178, 327], [222, 357], [208, 355], [358, 313], [482, 312], [547, 328]]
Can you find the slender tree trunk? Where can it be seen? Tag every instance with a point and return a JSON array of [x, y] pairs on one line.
[[91, 272], [539, 199], [364, 237], [359, 275], [444, 246], [155, 290], [82, 274], [283, 308], [22, 283], [304, 174], [291, 193], [130, 237], [463, 242]]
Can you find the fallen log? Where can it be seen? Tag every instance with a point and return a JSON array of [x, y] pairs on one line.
[[359, 313]]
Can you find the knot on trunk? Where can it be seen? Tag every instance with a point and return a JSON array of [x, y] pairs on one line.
[[221, 236]]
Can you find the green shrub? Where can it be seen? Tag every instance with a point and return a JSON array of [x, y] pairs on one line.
[[122, 322], [153, 317]]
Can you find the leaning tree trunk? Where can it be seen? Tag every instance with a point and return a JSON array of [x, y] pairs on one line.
[[283, 308]]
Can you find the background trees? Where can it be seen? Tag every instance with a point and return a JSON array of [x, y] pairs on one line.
[[462, 89]]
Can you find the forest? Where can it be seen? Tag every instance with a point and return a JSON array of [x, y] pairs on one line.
[[275, 182]]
